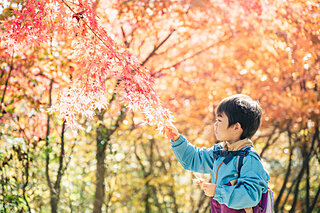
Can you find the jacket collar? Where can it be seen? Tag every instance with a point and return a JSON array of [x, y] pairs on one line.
[[236, 145]]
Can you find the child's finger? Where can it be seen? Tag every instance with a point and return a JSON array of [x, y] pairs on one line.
[[198, 180]]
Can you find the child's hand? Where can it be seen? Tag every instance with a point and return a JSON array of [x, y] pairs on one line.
[[198, 181], [209, 189], [171, 131]]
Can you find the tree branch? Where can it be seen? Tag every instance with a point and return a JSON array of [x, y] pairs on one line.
[[296, 191], [299, 178], [47, 139], [157, 47], [61, 157], [314, 139], [25, 184], [315, 199], [126, 43], [225, 39], [7, 82], [283, 187], [268, 141], [154, 195], [287, 195], [138, 158]]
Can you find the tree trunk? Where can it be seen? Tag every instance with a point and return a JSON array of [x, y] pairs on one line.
[[315, 199], [299, 178], [307, 186], [103, 135], [296, 191], [312, 150], [146, 199], [171, 187], [25, 184], [55, 189], [101, 169], [288, 194], [277, 202], [171, 193], [53, 202]]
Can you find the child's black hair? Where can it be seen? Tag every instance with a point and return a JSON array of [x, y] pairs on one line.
[[243, 110]]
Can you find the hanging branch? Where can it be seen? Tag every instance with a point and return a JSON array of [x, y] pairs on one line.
[[88, 92], [137, 81], [79, 16]]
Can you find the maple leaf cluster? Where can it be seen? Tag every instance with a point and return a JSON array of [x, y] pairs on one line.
[[27, 28], [94, 51]]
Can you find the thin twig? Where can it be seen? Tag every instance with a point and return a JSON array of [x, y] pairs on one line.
[[7, 81], [157, 47], [196, 53]]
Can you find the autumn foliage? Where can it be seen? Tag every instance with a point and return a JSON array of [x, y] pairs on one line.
[[94, 51], [110, 67]]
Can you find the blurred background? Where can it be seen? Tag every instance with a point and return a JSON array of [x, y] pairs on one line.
[[198, 52]]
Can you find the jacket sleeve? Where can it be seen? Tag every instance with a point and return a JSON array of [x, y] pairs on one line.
[[249, 188], [193, 158]]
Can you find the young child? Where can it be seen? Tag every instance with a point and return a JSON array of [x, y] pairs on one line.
[[238, 119]]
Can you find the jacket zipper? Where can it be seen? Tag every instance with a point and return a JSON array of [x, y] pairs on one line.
[[215, 182]]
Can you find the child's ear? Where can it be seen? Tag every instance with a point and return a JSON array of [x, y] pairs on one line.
[[237, 126]]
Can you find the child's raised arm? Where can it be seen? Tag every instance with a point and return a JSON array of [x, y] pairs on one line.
[[189, 156]]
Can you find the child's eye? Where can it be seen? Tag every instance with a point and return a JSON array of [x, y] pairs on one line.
[[218, 120]]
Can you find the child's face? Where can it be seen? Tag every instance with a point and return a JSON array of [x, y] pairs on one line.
[[223, 132]]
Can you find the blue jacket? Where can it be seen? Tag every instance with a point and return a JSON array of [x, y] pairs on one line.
[[253, 180]]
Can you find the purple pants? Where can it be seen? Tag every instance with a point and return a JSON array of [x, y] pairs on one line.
[[221, 208], [216, 207]]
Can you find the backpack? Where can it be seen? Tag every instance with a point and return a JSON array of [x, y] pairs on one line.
[[266, 203]]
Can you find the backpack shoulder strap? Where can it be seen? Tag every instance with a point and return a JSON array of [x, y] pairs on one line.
[[240, 159]]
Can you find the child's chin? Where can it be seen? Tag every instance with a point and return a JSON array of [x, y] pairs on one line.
[[220, 138]]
